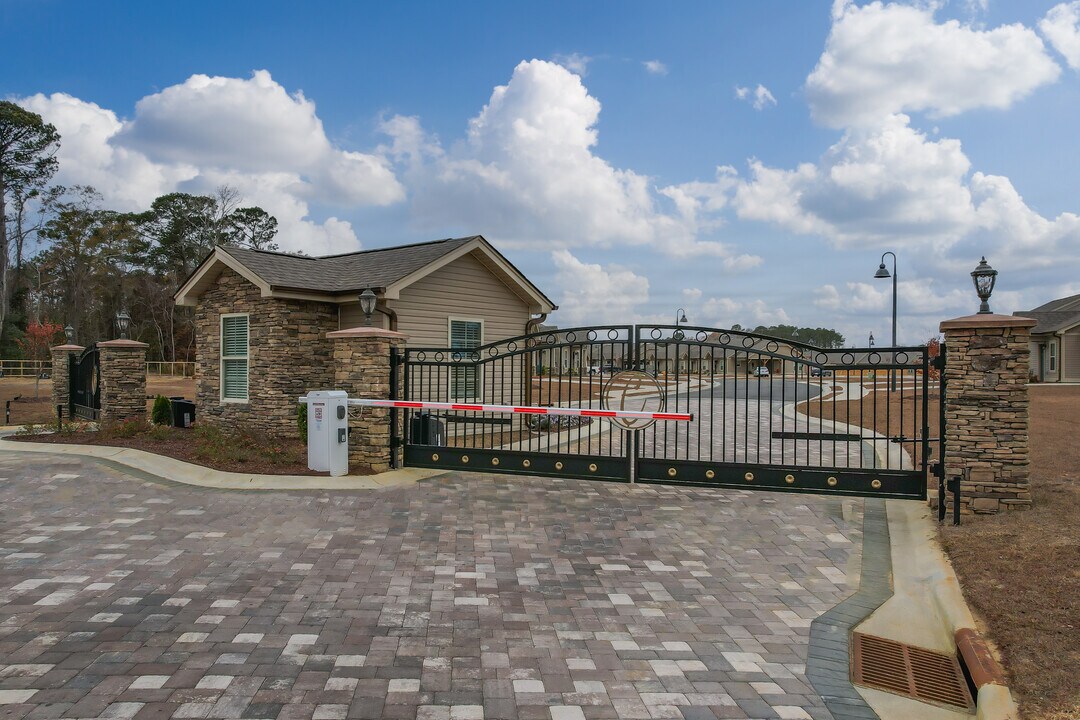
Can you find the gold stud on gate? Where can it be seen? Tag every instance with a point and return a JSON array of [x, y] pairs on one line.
[[672, 472], [494, 461], [831, 481], [876, 484], [749, 477], [526, 463], [789, 479], [434, 457], [592, 467], [558, 466], [465, 459], [710, 474]]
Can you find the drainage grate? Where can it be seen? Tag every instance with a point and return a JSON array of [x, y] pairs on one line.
[[908, 670]]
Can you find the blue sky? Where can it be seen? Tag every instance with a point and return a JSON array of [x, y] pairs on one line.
[[942, 131]]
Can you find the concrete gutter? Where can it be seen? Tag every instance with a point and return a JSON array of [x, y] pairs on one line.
[[191, 474], [927, 609]]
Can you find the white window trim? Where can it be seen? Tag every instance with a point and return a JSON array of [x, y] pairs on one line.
[[450, 320], [1052, 357], [222, 359]]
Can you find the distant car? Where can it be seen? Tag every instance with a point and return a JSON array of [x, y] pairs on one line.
[[761, 371], [606, 368], [593, 369], [820, 372]]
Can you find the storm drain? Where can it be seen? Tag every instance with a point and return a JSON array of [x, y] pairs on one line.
[[908, 670]]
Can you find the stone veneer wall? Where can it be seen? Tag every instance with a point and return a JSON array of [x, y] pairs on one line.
[[123, 380], [288, 354], [61, 384], [362, 368], [986, 410]]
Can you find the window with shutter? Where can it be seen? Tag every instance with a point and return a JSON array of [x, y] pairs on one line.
[[465, 381], [234, 358]]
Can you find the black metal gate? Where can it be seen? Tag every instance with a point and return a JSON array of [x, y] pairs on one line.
[[767, 413], [84, 384]]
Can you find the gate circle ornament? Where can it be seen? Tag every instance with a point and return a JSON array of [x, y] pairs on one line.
[[633, 390]]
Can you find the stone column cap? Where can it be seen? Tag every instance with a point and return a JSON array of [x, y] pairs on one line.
[[123, 344], [988, 320], [66, 348], [365, 332]]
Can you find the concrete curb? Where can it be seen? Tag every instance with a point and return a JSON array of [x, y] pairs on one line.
[[928, 610], [190, 474]]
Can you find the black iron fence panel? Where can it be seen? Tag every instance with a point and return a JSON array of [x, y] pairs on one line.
[[767, 413], [84, 383], [561, 368]]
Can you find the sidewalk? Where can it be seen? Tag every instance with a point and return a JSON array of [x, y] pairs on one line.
[[190, 474]]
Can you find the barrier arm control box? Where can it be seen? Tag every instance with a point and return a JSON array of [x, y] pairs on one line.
[[328, 431]]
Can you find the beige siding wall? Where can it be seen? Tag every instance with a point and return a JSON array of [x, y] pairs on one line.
[[463, 289], [1070, 356]]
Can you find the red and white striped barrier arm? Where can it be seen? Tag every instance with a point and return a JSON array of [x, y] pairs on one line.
[[522, 409]]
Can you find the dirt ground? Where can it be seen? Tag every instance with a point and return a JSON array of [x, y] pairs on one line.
[[881, 409], [1021, 571], [27, 409]]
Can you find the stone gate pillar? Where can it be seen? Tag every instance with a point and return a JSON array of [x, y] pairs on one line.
[[986, 410], [61, 380], [123, 380], [362, 369]]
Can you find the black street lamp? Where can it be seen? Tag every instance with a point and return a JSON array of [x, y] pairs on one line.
[[984, 277], [871, 339], [882, 272], [123, 321], [680, 317], [367, 304]]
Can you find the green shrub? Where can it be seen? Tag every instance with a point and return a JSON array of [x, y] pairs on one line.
[[301, 420], [161, 413]]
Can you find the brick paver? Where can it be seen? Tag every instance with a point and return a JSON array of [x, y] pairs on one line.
[[465, 596]]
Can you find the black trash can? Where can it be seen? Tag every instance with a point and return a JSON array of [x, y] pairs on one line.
[[183, 413], [427, 430]]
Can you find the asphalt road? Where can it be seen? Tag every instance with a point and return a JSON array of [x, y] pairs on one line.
[[774, 389]]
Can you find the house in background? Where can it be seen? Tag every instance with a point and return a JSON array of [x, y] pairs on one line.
[[262, 317], [1055, 340]]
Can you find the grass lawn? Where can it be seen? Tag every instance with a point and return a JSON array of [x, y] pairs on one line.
[[1021, 571]]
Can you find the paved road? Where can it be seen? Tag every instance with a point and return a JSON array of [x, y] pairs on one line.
[[775, 389], [464, 596]]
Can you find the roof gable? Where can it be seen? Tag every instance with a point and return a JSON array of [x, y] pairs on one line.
[[338, 278]]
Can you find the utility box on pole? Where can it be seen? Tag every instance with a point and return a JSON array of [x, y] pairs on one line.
[[328, 431]]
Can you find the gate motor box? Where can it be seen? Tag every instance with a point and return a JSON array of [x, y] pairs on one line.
[[328, 431]]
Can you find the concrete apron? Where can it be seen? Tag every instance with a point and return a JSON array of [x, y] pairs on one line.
[[191, 474], [926, 609]]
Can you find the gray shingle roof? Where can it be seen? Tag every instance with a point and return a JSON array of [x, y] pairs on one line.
[[1051, 321], [351, 272], [1071, 304]]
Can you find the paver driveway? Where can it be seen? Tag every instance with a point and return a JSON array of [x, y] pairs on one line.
[[462, 596]]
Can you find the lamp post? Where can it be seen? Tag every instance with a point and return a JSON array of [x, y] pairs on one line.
[[69, 334], [871, 339], [883, 272], [367, 304], [680, 317], [123, 320], [984, 277]]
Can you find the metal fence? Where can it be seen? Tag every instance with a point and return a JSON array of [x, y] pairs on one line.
[[43, 368]]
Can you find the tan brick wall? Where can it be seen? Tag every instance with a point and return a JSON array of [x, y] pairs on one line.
[[288, 355], [986, 416], [123, 382], [362, 368]]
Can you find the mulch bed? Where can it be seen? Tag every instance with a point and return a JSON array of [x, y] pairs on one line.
[[1021, 570], [181, 444]]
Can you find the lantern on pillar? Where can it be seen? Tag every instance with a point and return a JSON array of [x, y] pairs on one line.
[[984, 278]]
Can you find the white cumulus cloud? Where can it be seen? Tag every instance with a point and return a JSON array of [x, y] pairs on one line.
[[655, 67], [759, 97], [249, 133], [527, 175], [1061, 27], [592, 293], [886, 58]]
